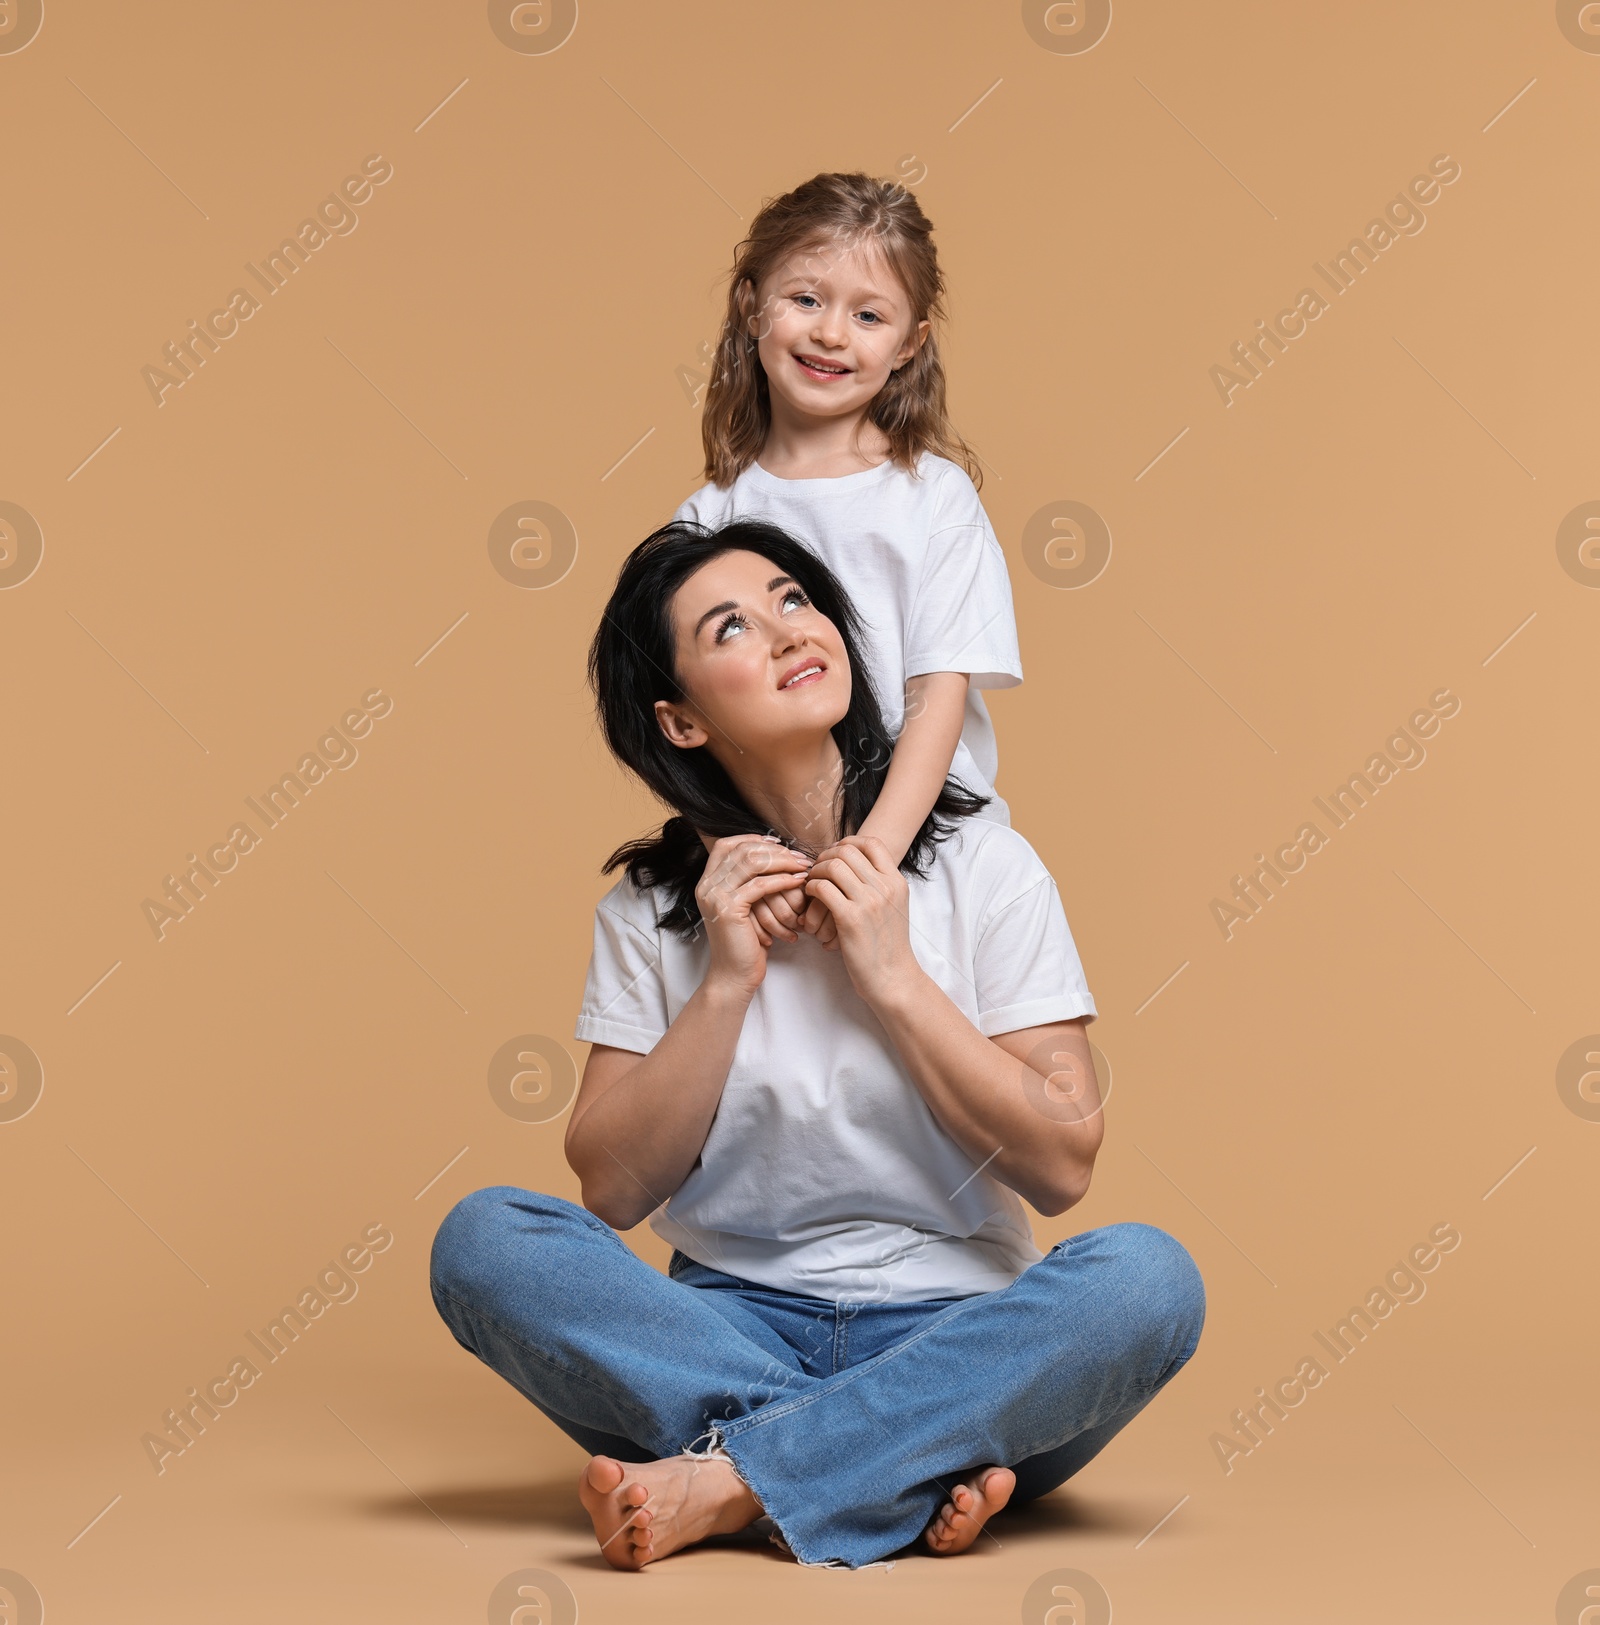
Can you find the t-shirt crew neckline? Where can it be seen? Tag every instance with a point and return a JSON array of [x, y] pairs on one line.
[[828, 483]]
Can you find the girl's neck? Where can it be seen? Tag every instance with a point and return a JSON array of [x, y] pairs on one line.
[[812, 448]]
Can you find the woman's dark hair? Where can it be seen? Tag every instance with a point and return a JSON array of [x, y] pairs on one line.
[[632, 664]]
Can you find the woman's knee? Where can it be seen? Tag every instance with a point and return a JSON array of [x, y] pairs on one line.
[[479, 1232], [1163, 1277]]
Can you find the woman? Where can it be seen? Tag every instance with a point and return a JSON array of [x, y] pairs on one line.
[[856, 1329]]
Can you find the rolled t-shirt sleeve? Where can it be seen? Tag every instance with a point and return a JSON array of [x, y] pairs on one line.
[[962, 618], [1027, 969], [624, 998]]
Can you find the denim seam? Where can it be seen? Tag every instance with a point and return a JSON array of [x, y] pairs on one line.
[[770, 1413], [622, 1403], [840, 1379]]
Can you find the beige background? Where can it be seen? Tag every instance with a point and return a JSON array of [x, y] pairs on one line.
[[520, 316]]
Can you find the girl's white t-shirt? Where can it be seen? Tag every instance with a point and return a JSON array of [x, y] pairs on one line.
[[824, 1171], [921, 564]]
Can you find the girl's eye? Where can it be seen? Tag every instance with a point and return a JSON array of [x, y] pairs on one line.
[[799, 296], [876, 319]]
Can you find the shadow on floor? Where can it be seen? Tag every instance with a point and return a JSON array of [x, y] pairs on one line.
[[548, 1505], [552, 1504]]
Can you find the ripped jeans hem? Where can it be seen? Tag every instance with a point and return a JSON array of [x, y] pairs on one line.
[[714, 1451]]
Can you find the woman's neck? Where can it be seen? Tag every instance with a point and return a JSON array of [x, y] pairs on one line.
[[797, 794], [810, 448]]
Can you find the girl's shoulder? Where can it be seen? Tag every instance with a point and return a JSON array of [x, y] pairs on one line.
[[705, 506], [951, 497], [937, 486]]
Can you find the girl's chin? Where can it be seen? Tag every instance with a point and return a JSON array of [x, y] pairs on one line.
[[828, 400]]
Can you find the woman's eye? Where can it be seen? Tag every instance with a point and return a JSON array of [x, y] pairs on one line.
[[795, 597], [732, 623]]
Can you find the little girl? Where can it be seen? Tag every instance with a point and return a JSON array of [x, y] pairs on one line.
[[828, 372]]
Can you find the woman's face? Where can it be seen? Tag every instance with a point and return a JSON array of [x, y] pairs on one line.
[[831, 324], [760, 668]]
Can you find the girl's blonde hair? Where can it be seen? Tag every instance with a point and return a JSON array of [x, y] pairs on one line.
[[858, 211]]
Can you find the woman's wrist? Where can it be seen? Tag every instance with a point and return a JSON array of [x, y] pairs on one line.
[[723, 991], [900, 992]]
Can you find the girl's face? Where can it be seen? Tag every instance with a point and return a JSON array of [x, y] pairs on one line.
[[759, 667], [831, 323]]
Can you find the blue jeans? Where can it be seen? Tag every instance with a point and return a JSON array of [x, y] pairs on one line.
[[850, 1421]]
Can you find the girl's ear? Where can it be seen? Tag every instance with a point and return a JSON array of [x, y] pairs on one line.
[[679, 725], [746, 296], [914, 342]]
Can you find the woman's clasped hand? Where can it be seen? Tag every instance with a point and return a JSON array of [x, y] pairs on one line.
[[740, 871], [853, 884]]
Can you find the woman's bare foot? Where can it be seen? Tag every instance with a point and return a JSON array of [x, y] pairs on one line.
[[972, 1503], [644, 1510]]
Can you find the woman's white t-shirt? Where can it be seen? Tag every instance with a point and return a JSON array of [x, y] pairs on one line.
[[920, 562], [824, 1171]]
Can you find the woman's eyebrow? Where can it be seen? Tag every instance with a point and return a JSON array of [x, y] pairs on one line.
[[733, 603], [716, 609]]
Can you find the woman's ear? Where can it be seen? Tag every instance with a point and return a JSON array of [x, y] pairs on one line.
[[680, 725]]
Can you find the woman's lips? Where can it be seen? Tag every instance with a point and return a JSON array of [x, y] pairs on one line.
[[812, 672], [818, 373]]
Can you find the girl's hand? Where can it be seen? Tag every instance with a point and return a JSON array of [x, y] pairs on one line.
[[821, 924], [867, 897], [790, 913], [741, 872]]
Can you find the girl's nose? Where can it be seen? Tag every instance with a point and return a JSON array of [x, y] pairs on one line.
[[830, 327]]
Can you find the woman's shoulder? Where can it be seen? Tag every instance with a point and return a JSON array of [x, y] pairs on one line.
[[986, 863], [636, 909]]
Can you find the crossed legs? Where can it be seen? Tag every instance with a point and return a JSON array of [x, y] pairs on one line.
[[852, 1465]]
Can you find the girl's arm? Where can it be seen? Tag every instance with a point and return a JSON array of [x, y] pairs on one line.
[[1023, 1105], [936, 705], [640, 1121]]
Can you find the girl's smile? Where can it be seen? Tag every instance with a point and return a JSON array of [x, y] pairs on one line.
[[831, 324], [822, 370]]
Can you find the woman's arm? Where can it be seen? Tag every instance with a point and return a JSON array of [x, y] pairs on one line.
[[1025, 1105], [1028, 1100], [936, 704], [640, 1121]]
